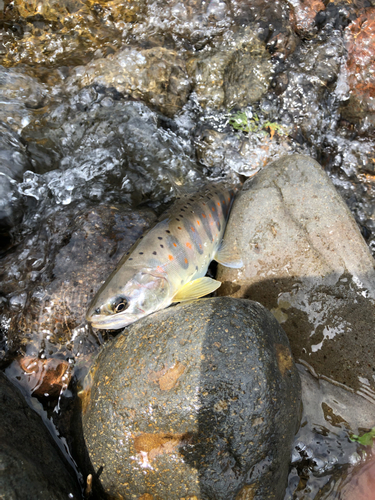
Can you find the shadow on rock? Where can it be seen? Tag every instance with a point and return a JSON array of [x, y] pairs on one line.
[[328, 322]]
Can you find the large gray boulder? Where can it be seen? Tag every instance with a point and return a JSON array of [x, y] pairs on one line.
[[31, 465], [306, 261], [200, 400]]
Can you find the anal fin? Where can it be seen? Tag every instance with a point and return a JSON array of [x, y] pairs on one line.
[[195, 289], [227, 256]]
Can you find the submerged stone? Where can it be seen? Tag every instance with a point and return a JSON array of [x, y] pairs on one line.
[[237, 73], [200, 400], [49, 280], [14, 161], [305, 260], [31, 464], [98, 146], [156, 76]]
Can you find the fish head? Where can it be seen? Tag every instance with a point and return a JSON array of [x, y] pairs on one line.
[[115, 306]]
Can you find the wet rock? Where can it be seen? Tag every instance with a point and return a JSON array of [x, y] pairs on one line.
[[236, 74], [305, 259], [305, 89], [47, 282], [156, 76], [21, 94], [303, 15], [45, 377], [245, 154], [31, 465], [322, 446], [357, 75], [200, 400], [102, 147]]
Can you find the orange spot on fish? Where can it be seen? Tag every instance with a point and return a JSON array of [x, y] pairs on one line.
[[188, 245], [203, 216], [186, 261], [179, 227], [210, 216], [198, 223], [212, 223], [192, 229], [228, 199], [170, 257], [218, 203], [200, 246], [160, 269], [174, 244], [213, 209]]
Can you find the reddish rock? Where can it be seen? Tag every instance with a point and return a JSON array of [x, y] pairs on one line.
[[361, 486], [360, 41], [45, 376]]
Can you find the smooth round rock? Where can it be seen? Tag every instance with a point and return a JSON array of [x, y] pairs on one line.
[[200, 400], [31, 465], [306, 261]]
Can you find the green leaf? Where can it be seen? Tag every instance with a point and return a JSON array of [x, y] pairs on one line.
[[366, 439], [239, 122]]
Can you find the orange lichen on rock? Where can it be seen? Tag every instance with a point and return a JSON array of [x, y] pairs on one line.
[[167, 378], [159, 443], [284, 358]]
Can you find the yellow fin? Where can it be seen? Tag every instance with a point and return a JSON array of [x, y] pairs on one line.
[[195, 289], [227, 257]]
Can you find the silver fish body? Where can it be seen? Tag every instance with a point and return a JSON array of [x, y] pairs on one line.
[[169, 262]]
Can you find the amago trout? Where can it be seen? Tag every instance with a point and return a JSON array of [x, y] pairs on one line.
[[168, 263]]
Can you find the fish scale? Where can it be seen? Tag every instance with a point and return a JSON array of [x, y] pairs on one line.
[[169, 262]]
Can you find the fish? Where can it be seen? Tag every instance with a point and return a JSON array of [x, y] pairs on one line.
[[168, 263]]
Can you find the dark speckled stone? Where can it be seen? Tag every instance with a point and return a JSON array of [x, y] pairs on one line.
[[199, 401]]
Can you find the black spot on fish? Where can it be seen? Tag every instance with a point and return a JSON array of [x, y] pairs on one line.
[[162, 246], [160, 238], [141, 237], [168, 231], [153, 253], [196, 268], [178, 219], [131, 258], [182, 210], [140, 253], [127, 253]]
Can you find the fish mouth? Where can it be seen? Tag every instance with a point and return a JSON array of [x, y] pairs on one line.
[[112, 322]]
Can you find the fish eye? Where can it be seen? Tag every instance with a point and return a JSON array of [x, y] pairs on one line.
[[97, 310], [119, 305]]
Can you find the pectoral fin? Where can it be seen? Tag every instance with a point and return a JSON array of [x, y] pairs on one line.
[[227, 256], [195, 289]]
